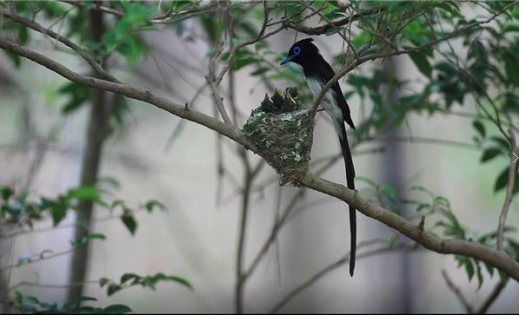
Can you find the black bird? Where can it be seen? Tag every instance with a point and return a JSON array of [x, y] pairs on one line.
[[318, 72]]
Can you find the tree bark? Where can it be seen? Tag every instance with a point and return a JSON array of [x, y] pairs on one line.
[[98, 130]]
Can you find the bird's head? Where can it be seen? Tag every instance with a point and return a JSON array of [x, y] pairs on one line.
[[301, 52]]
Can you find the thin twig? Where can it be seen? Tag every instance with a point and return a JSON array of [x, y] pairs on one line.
[[341, 262], [457, 292], [512, 172], [492, 297], [97, 7], [241, 277], [49, 285], [213, 83], [41, 258], [319, 30]]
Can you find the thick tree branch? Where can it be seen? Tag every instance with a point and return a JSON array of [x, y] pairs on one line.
[[131, 92], [37, 27], [428, 240]]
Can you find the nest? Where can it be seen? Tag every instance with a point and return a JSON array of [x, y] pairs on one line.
[[282, 130]]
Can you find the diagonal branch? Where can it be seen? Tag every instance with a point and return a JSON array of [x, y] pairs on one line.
[[45, 31], [492, 297], [454, 288], [512, 171], [343, 261], [131, 92], [498, 259]]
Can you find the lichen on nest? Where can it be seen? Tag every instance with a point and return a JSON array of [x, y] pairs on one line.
[[282, 131]]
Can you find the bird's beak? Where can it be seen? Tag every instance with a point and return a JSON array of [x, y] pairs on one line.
[[286, 60]]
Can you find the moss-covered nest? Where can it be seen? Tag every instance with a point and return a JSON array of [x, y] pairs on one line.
[[282, 130]]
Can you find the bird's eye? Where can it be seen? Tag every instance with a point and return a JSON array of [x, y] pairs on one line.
[[297, 50]]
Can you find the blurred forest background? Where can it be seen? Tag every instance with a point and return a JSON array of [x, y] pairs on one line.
[[104, 196]]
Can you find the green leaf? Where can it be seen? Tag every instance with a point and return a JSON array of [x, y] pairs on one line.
[[86, 299], [479, 274], [78, 94], [447, 68], [87, 193], [502, 180], [103, 281], [117, 309], [260, 71], [129, 276], [59, 211], [95, 236], [28, 305], [181, 281], [449, 6], [18, 297], [510, 61], [151, 204], [469, 268], [23, 35], [510, 27], [490, 154], [88, 238], [130, 50], [15, 58], [503, 277], [117, 203], [129, 222], [478, 125], [113, 288], [54, 9], [476, 50], [109, 40], [422, 63], [121, 107], [6, 193], [490, 269], [51, 306], [387, 189], [502, 142], [249, 28]]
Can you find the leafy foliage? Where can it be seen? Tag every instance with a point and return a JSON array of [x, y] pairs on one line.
[[131, 279], [451, 227], [18, 209], [31, 304]]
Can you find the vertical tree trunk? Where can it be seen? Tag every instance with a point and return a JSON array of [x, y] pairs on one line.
[[393, 176], [98, 130]]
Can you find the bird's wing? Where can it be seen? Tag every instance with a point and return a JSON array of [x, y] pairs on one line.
[[326, 73]]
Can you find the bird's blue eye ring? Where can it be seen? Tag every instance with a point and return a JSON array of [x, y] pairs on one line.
[[297, 50]]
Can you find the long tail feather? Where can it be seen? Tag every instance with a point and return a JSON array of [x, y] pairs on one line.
[[350, 176]]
